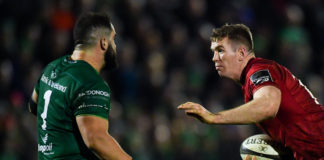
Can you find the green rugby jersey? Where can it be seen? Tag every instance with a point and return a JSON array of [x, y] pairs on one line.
[[67, 89]]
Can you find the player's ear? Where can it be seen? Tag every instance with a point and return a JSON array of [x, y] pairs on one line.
[[103, 43], [242, 52]]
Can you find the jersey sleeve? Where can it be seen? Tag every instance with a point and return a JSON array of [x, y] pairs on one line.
[[262, 75], [32, 105], [92, 100], [36, 87]]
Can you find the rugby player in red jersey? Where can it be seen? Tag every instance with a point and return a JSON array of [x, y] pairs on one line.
[[276, 101]]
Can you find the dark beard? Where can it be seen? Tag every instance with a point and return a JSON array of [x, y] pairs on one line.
[[111, 60]]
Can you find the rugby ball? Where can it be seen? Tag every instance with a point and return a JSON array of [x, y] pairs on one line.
[[261, 146]]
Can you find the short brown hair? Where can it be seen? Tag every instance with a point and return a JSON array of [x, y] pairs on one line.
[[236, 33]]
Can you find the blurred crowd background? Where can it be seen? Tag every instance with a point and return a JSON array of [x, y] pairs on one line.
[[165, 60]]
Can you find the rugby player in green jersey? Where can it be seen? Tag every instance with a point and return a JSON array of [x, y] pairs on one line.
[[71, 100]]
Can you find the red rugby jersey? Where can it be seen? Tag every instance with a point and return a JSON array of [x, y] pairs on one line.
[[299, 123]]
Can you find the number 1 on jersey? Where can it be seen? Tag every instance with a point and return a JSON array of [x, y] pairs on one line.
[[47, 97]]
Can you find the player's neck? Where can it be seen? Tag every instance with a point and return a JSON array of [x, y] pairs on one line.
[[244, 63], [94, 60]]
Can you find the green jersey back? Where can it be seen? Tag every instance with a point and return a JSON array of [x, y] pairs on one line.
[[67, 89]]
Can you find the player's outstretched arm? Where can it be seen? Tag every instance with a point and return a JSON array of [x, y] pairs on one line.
[[198, 111], [265, 105], [94, 131]]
